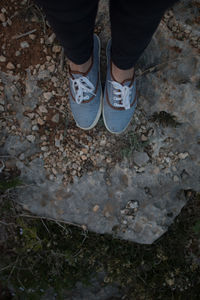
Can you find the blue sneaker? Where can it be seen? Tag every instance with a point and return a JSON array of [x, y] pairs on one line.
[[119, 101], [85, 92]]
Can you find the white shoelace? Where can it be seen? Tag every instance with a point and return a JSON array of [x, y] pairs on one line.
[[82, 85], [122, 94]]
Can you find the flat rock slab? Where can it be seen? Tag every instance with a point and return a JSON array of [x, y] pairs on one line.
[[139, 197]]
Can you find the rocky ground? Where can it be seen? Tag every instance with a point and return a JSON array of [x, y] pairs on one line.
[[131, 186]]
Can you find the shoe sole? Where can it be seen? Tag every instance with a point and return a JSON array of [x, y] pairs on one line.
[[101, 97], [104, 115]]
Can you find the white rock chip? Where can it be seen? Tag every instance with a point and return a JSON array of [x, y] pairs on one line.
[[17, 53], [10, 66], [176, 178], [55, 118], [40, 121], [48, 95], [31, 138], [35, 128], [51, 38], [56, 49], [2, 58], [183, 155], [32, 36], [9, 22], [24, 44], [43, 109]]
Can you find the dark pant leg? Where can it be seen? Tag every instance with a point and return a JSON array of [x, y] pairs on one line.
[[133, 22], [73, 22]]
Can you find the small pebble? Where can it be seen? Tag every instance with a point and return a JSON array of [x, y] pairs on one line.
[[183, 155], [22, 156], [40, 121], [43, 109], [51, 177], [32, 36], [51, 68], [57, 143], [35, 128], [24, 44], [108, 160], [2, 58], [175, 178], [56, 49], [9, 22], [55, 118], [102, 170], [144, 138], [83, 157], [3, 10], [51, 39], [2, 17], [17, 53], [84, 227], [48, 95], [10, 66], [31, 138], [95, 208]]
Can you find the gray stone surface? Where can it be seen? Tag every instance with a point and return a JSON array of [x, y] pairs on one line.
[[144, 194]]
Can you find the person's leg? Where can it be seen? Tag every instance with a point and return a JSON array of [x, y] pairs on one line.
[[73, 22], [133, 23]]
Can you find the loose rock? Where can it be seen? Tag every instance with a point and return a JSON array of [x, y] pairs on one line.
[[56, 49], [140, 158], [30, 138], [43, 109], [24, 44], [2, 58], [48, 95], [10, 66], [55, 118], [2, 17]]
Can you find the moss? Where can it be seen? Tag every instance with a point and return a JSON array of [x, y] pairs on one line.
[[10, 183], [132, 143], [165, 119]]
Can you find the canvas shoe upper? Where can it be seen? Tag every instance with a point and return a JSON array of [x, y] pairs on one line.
[[85, 92], [120, 100]]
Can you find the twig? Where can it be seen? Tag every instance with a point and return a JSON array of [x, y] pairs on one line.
[[7, 267], [23, 34], [45, 226], [7, 224], [60, 225], [48, 219], [14, 15], [157, 66], [62, 57], [3, 166], [13, 268], [43, 19], [142, 279], [80, 246], [62, 112]]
